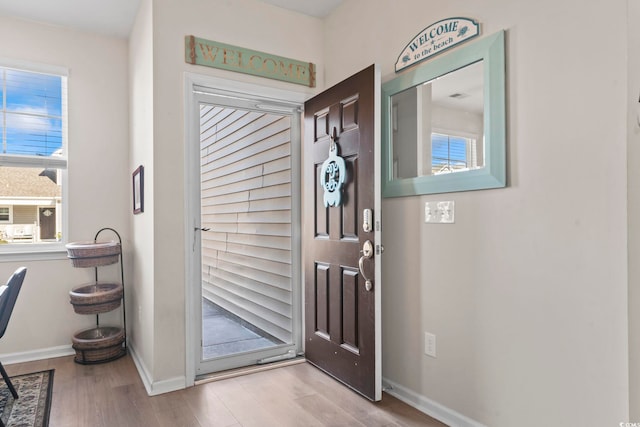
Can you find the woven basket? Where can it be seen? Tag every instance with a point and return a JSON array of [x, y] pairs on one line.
[[100, 344], [94, 298], [93, 254]]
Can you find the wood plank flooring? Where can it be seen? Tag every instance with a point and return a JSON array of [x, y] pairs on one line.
[[299, 395]]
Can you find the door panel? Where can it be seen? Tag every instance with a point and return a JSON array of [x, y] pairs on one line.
[[47, 221], [341, 316]]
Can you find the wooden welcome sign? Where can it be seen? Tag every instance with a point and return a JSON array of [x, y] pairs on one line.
[[233, 58], [437, 38]]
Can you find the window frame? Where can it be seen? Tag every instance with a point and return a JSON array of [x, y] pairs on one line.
[[10, 220], [47, 250]]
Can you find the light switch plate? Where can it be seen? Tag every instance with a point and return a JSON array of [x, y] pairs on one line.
[[439, 212]]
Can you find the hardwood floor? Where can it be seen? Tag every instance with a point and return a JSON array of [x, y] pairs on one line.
[[299, 395]]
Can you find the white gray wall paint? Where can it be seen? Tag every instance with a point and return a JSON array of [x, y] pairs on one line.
[[633, 160], [527, 291], [99, 179], [245, 23], [141, 303]]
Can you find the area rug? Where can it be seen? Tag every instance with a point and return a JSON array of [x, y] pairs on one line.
[[33, 405]]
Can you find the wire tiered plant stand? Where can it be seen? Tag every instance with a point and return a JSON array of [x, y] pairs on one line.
[[99, 344]]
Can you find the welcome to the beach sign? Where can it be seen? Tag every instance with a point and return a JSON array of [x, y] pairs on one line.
[[233, 58], [437, 38]]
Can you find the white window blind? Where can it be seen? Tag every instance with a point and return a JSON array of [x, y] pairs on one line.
[[451, 153]]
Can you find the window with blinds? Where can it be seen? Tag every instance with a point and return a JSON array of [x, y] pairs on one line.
[[33, 106], [450, 153]]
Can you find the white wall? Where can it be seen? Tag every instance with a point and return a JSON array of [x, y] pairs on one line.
[[141, 302], [99, 179], [633, 159], [245, 23], [527, 291]]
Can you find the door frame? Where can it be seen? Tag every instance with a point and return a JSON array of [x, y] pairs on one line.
[[192, 201]]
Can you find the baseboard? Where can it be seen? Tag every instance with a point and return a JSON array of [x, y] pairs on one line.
[[158, 387], [40, 354], [428, 406], [153, 388]]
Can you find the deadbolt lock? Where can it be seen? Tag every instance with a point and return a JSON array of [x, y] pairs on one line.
[[367, 249]]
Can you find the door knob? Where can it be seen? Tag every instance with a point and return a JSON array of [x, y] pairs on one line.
[[195, 235], [367, 252]]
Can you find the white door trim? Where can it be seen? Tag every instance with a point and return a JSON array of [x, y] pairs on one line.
[[378, 224], [191, 129]]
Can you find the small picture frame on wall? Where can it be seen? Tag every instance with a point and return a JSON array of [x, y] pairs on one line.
[[138, 190]]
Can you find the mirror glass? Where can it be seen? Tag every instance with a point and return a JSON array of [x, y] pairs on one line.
[[443, 123], [437, 126]]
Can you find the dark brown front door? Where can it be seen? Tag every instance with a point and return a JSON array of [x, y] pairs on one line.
[[47, 220], [341, 311]]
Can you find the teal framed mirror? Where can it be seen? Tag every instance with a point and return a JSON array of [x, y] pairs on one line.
[[444, 123]]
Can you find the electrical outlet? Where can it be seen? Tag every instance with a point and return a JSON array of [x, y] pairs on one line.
[[429, 344]]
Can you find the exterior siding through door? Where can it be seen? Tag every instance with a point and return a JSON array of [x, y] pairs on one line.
[[246, 203]]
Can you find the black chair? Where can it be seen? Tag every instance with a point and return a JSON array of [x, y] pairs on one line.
[[8, 297]]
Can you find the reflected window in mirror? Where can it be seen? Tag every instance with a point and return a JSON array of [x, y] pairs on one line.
[[438, 125], [452, 153]]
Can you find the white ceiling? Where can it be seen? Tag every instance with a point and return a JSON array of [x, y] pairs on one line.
[[111, 17], [115, 17], [317, 8]]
